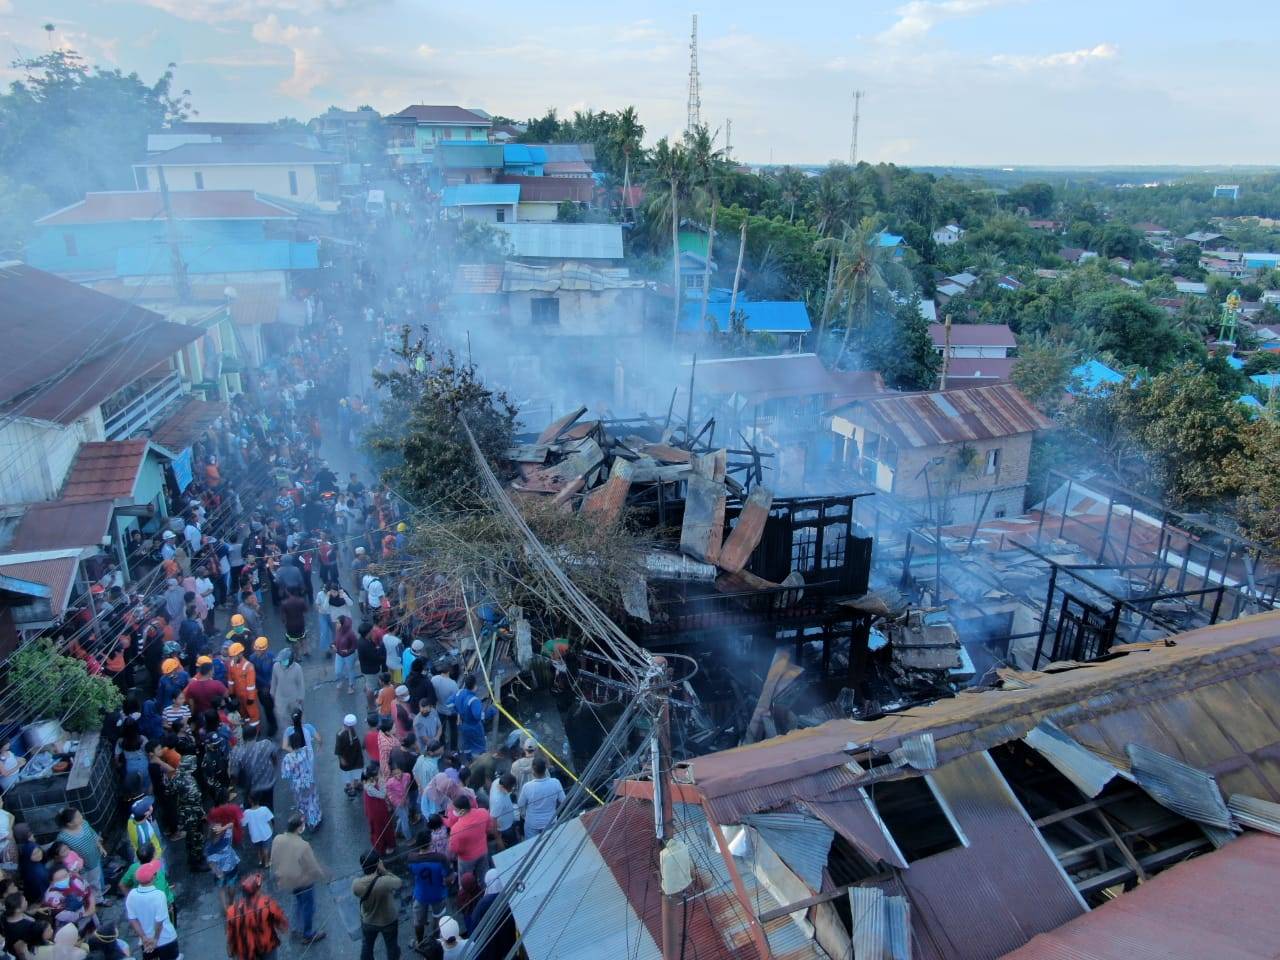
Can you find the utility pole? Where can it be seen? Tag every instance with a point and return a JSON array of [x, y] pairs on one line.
[[946, 350], [728, 138], [664, 811], [695, 84], [737, 271], [178, 269], [857, 116]]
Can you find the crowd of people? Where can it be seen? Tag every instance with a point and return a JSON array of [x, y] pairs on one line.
[[219, 767]]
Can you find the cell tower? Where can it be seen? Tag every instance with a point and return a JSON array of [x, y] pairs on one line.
[[857, 115], [695, 85]]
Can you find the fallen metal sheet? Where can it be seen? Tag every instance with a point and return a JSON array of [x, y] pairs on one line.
[[572, 487], [917, 751], [782, 673], [802, 842], [561, 425], [743, 581], [581, 430], [872, 916], [745, 536], [605, 503], [702, 531], [528, 453], [554, 478], [1179, 786], [665, 453], [653, 472], [675, 566], [898, 927], [635, 598], [524, 643], [1256, 814], [1084, 768]]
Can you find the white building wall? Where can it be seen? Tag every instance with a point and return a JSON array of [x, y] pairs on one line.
[[35, 456]]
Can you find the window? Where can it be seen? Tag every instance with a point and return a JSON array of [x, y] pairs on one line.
[[501, 214], [693, 281], [69, 243], [993, 462], [293, 183], [545, 311], [1000, 512], [199, 180], [913, 817], [140, 173]]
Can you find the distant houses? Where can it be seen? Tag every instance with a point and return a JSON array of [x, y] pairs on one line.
[[948, 235], [286, 170]]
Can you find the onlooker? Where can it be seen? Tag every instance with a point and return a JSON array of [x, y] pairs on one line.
[[451, 941], [254, 923], [350, 753], [470, 836], [258, 821], [148, 911], [502, 808], [379, 909], [76, 833], [296, 869], [540, 798], [430, 871]]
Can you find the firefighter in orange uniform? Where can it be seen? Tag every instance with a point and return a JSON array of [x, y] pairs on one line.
[[242, 683]]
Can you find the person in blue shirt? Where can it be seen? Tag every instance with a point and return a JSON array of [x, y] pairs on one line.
[[430, 872], [472, 716], [263, 661]]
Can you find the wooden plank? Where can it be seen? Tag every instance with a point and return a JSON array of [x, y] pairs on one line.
[[561, 425], [782, 673], [745, 537], [605, 503]]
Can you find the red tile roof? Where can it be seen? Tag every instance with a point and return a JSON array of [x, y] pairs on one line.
[[186, 204], [426, 113], [552, 189], [59, 524], [1218, 905], [68, 348], [105, 470], [973, 335], [955, 416]]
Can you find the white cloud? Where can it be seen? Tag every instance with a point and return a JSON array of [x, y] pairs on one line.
[[1067, 58], [308, 48], [426, 52], [918, 17], [222, 11]]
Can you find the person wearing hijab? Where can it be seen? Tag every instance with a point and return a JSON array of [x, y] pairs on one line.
[[66, 945], [298, 768], [288, 688], [503, 939]]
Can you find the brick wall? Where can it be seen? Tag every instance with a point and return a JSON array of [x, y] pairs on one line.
[[967, 489]]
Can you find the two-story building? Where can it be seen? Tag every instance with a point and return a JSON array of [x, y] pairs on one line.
[[286, 170], [414, 132], [457, 162], [787, 321], [540, 197], [974, 340], [222, 236], [956, 456], [948, 235], [354, 135], [489, 202]]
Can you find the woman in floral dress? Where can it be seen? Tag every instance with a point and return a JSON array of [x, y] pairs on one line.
[[299, 769]]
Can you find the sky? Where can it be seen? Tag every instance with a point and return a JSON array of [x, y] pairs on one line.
[[947, 82]]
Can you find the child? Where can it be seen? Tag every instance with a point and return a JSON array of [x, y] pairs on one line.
[[386, 695], [224, 861], [439, 835], [257, 820]]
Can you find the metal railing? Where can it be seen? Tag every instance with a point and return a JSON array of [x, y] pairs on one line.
[[144, 409]]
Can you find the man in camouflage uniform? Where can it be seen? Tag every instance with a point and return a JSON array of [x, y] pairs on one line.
[[191, 812]]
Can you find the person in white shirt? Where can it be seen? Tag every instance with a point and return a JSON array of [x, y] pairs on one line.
[[373, 591], [191, 533], [503, 809], [540, 798], [257, 820], [395, 664], [148, 910], [445, 687]]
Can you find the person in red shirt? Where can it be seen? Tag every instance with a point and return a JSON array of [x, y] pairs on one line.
[[470, 836], [203, 690], [371, 738]]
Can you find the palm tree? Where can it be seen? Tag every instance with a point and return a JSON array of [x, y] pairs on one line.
[[791, 188], [859, 273], [670, 164], [626, 135], [707, 168]]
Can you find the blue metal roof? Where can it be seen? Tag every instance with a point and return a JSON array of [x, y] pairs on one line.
[[1249, 400], [460, 155], [763, 316], [1267, 380], [477, 194], [1235, 363], [521, 153], [200, 258], [1092, 375], [888, 239]]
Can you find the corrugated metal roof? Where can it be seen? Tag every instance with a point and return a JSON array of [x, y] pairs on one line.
[[1254, 813], [184, 426], [762, 316], [477, 278], [565, 241], [238, 152], [432, 113], [917, 751], [551, 189], [847, 812], [1179, 786], [477, 194], [870, 936], [786, 375], [1089, 772], [520, 277], [105, 470], [973, 334], [936, 418], [55, 569], [62, 524], [898, 927], [122, 205], [803, 842], [523, 153], [461, 155], [1219, 906], [242, 257]]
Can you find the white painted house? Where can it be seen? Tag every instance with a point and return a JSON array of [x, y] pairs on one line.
[[946, 236]]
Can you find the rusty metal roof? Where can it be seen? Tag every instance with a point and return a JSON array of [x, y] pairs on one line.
[[1220, 905], [186, 423], [56, 569], [60, 524], [105, 470], [953, 416]]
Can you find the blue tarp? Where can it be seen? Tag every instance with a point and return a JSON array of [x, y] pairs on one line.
[[1267, 380], [203, 258], [1093, 375], [1235, 363], [763, 316], [888, 239]]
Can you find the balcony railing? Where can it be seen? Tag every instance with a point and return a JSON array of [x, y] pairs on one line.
[[150, 400]]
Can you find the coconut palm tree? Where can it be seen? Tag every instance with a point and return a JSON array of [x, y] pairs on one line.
[[670, 166], [791, 185], [707, 170], [859, 274], [626, 135]]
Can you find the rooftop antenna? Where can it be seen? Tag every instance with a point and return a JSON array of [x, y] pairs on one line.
[[695, 85], [728, 138], [857, 115]]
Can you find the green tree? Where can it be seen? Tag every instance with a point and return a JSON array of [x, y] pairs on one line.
[[706, 173], [418, 441], [1133, 330], [1036, 196], [1119, 240], [671, 175], [1042, 371], [625, 138], [898, 346]]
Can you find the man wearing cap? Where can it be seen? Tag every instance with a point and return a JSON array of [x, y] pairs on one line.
[[241, 681], [263, 664], [254, 923], [168, 545], [203, 690], [522, 769], [148, 911], [451, 941], [142, 829], [375, 892], [413, 652]]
